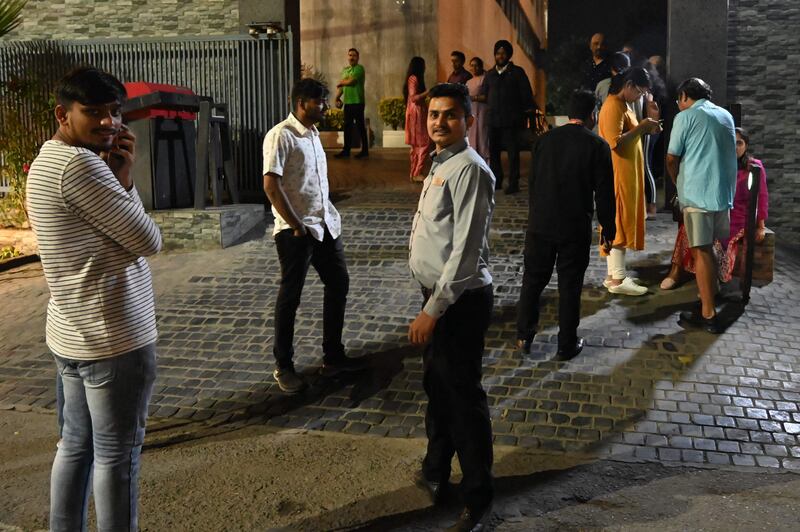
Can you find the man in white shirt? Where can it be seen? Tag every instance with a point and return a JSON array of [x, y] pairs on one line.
[[307, 232]]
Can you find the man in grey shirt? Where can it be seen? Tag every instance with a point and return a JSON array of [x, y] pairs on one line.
[[449, 257]]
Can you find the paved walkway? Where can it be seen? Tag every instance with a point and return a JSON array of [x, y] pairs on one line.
[[643, 387]]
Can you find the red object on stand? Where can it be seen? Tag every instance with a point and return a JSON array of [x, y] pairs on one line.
[[158, 100]]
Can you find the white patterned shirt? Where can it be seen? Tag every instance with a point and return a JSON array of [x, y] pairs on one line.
[[93, 236], [295, 153]]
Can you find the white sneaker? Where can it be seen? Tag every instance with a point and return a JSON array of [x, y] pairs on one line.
[[607, 283], [628, 288]]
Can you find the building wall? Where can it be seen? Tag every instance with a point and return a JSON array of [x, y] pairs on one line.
[[697, 26], [386, 35], [75, 19], [474, 26], [763, 54]]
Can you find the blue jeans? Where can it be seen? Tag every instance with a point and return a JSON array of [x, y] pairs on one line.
[[105, 407]]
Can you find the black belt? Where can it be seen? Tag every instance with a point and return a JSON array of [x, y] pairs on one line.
[[427, 292]]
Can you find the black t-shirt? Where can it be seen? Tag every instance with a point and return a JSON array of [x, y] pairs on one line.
[[594, 72], [571, 172]]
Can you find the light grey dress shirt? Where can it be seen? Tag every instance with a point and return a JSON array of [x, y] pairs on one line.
[[449, 246]]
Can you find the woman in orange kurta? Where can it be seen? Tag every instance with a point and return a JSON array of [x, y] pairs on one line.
[[617, 124]]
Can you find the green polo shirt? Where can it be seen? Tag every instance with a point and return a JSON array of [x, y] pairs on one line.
[[353, 93]]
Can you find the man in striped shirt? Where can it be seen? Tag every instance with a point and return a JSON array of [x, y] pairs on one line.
[[93, 235]]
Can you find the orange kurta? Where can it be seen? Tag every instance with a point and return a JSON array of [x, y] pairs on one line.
[[615, 120]]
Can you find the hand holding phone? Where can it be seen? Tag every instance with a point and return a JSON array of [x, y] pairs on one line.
[[121, 155]]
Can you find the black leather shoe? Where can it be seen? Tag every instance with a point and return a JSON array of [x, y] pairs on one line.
[[471, 521], [342, 155], [362, 155], [436, 490], [695, 318], [512, 189], [569, 352], [334, 367]]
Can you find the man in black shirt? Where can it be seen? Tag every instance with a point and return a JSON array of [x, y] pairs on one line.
[[596, 68], [510, 98], [570, 173]]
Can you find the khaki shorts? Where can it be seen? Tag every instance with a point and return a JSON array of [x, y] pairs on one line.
[[704, 227]]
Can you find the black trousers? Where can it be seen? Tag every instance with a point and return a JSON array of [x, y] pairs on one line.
[[507, 138], [457, 417], [570, 259], [295, 254], [354, 116]]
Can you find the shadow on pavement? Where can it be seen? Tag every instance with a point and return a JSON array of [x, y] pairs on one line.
[[381, 370]]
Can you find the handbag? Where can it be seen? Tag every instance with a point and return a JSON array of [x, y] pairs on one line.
[[677, 213]]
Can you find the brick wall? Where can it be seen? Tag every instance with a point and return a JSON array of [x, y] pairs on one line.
[[763, 76], [76, 19]]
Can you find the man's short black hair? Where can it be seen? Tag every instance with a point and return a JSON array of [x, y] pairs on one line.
[[582, 104], [457, 91], [620, 61], [695, 88], [458, 54], [308, 88], [354, 50], [89, 86]]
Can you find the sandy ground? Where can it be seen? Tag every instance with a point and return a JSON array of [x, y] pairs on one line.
[[252, 478], [202, 478]]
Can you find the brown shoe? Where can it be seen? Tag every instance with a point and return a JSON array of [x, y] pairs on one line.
[[471, 521]]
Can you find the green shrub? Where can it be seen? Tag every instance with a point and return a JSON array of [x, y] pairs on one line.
[[9, 252], [392, 112], [25, 113], [333, 120], [564, 73]]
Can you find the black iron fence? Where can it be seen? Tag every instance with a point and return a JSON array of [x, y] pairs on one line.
[[253, 76]]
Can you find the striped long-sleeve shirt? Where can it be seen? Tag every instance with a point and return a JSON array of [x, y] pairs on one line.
[[93, 236]]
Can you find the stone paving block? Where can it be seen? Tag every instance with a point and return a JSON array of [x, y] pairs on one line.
[[644, 384], [752, 448], [791, 464], [743, 460], [792, 428], [768, 461], [669, 455], [718, 458]]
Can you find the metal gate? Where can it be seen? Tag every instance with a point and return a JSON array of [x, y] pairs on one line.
[[253, 76]]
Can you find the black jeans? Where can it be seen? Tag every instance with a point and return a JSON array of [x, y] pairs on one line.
[[507, 138], [354, 116], [295, 254], [571, 259], [457, 417]]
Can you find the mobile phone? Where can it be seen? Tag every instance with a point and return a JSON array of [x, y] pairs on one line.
[[117, 147]]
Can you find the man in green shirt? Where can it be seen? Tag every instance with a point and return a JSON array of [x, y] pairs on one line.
[[350, 93]]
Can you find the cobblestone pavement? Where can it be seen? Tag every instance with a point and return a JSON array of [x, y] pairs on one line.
[[643, 387]]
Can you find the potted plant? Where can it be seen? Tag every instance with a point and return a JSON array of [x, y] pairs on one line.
[[393, 113], [330, 129]]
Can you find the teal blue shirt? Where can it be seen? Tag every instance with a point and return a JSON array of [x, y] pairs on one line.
[[704, 138]]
